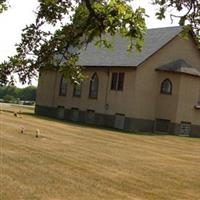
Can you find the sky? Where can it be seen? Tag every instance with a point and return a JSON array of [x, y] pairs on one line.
[[21, 13]]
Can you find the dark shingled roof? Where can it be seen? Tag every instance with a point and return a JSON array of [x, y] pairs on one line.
[[119, 56], [179, 66]]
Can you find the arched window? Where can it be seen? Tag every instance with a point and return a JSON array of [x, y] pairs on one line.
[[94, 84], [166, 87], [63, 87], [77, 90]]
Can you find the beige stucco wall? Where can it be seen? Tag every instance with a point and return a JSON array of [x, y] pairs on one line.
[[166, 105], [116, 101], [141, 96], [83, 102], [122, 101], [188, 98], [46, 88], [149, 103]]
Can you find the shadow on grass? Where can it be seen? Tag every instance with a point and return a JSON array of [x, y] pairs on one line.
[[99, 127], [17, 112]]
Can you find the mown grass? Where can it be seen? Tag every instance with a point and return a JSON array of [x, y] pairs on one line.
[[71, 161]]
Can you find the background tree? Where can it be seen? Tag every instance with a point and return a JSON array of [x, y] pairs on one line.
[[9, 99], [28, 93], [9, 90], [78, 22], [24, 94]]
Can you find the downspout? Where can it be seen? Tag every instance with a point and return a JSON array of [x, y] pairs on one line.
[[36, 100], [55, 91], [106, 103]]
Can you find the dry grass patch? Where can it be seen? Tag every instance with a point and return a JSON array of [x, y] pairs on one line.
[[74, 162]]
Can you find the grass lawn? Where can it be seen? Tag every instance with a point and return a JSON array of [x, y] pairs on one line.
[[75, 162]]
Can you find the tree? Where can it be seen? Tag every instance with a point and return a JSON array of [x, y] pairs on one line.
[[188, 11], [86, 20], [25, 94], [28, 93], [9, 99], [3, 5]]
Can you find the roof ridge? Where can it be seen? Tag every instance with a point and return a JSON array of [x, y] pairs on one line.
[[164, 27]]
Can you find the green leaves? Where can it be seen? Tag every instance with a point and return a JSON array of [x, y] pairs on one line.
[[187, 12], [3, 6], [84, 21], [161, 13], [54, 10], [77, 23]]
